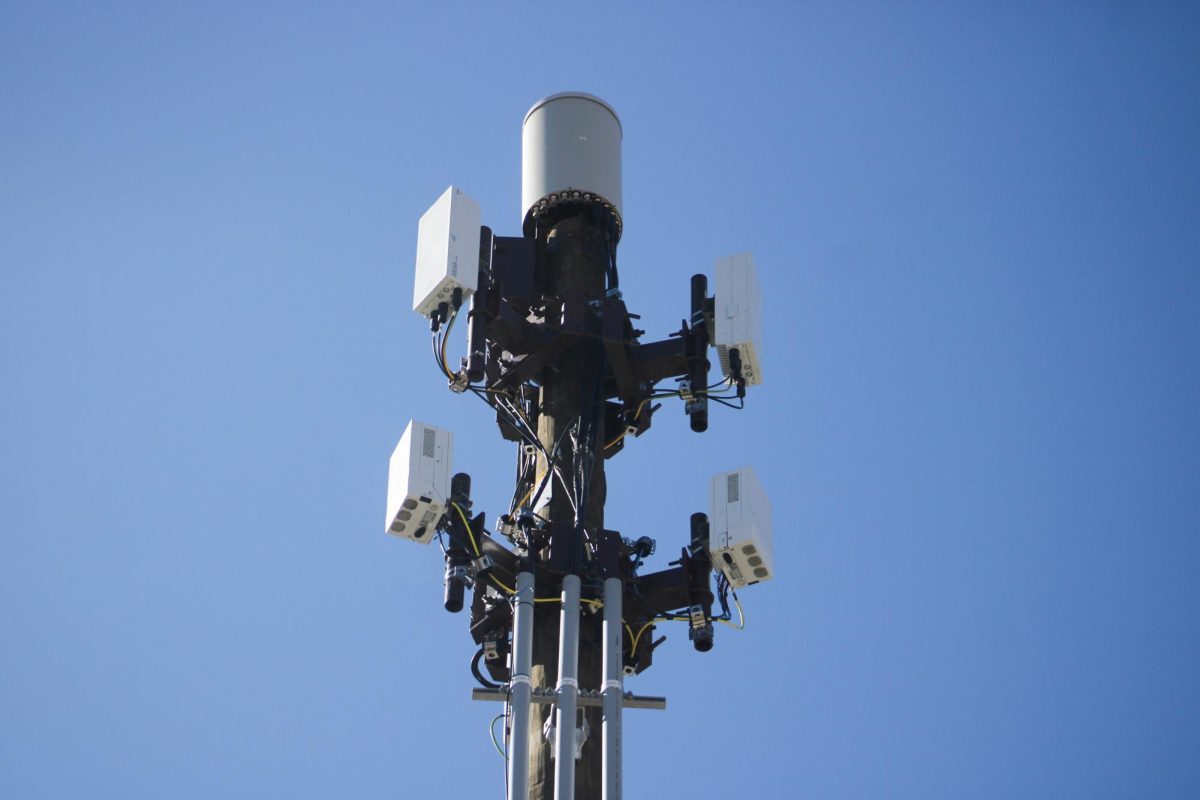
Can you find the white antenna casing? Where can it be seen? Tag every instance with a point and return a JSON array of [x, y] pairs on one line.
[[737, 315], [739, 531], [570, 140], [419, 482], [447, 251]]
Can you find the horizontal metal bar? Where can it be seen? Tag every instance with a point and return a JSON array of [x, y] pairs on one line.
[[589, 699]]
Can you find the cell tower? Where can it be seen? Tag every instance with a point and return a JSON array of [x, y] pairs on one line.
[[552, 349]]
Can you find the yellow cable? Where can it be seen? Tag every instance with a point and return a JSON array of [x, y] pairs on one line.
[[638, 637], [462, 515], [636, 414], [511, 591], [741, 624], [521, 502]]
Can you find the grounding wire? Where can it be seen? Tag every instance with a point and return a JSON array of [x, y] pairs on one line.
[[496, 744]]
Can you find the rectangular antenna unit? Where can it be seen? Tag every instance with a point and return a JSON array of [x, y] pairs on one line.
[[739, 537], [447, 251], [737, 315], [419, 482]]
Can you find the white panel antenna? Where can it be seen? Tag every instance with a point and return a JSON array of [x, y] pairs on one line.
[[447, 251], [419, 482], [737, 316], [739, 538]]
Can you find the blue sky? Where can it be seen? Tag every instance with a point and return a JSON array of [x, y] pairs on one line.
[[976, 225]]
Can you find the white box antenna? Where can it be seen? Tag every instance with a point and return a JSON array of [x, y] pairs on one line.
[[447, 251], [737, 316], [419, 482], [739, 534]]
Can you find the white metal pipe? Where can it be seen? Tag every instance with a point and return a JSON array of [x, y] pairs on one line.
[[568, 691], [521, 690], [613, 689]]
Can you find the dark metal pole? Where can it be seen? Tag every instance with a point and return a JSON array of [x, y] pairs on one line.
[[574, 267]]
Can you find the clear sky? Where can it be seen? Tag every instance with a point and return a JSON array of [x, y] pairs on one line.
[[977, 229]]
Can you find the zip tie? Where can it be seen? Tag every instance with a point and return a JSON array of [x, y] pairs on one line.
[[612, 684], [565, 682], [525, 679]]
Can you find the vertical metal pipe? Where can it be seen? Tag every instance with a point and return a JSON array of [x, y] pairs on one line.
[[614, 638], [568, 691], [521, 690], [698, 356], [477, 317]]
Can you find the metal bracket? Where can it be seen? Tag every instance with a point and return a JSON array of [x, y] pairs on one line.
[[586, 699], [581, 733]]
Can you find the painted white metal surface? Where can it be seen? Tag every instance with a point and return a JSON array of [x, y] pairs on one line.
[[447, 251], [737, 315], [570, 141], [419, 482], [740, 528]]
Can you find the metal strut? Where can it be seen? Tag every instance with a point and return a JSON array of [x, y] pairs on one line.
[[613, 693], [568, 691], [521, 689]]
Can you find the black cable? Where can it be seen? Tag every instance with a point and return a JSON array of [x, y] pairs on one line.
[[437, 357], [478, 676], [723, 596], [667, 615], [521, 426], [587, 444]]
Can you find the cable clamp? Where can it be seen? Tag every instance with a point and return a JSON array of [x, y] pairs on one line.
[[517, 679], [613, 684], [565, 682], [482, 564]]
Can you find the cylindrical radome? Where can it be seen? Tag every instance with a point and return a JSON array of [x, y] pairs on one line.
[[570, 141]]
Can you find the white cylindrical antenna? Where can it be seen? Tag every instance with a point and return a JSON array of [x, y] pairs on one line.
[[570, 142]]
